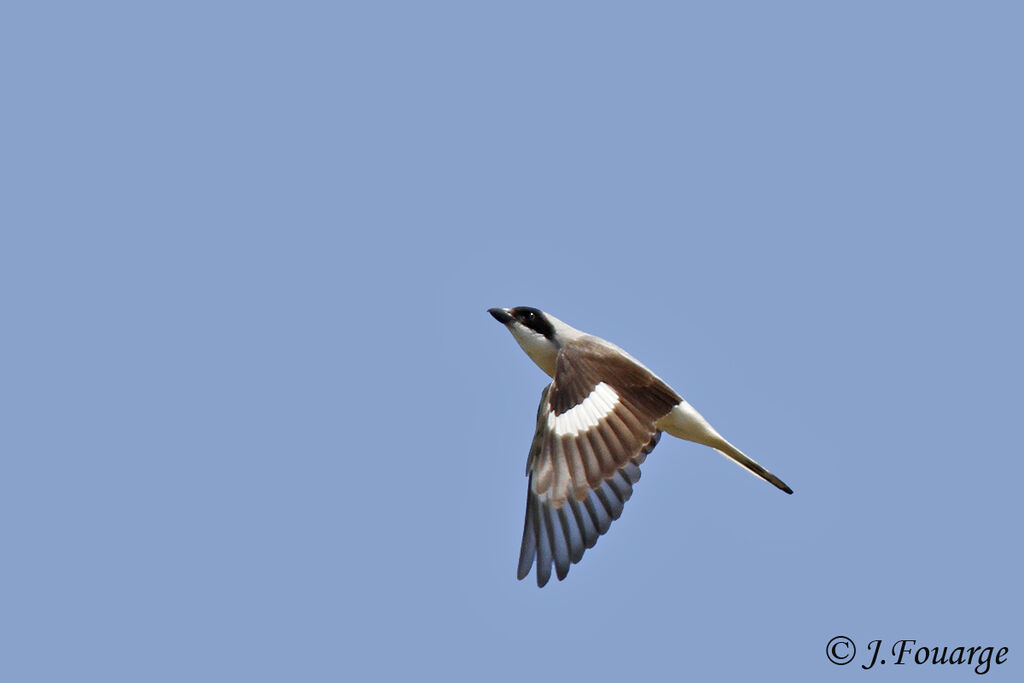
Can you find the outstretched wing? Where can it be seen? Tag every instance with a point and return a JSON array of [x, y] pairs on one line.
[[595, 426]]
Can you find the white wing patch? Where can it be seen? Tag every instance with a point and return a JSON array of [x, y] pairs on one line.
[[585, 415]]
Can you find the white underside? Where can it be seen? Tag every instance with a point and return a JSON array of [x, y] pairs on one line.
[[684, 422]]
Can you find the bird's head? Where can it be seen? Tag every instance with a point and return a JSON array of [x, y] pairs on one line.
[[539, 334]]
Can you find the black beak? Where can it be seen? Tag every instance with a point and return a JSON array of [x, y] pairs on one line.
[[501, 315]]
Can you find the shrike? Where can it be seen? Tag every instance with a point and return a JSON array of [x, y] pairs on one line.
[[598, 419]]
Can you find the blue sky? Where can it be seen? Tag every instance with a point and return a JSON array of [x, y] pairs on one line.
[[259, 426]]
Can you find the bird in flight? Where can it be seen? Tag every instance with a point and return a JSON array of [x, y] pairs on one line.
[[600, 416]]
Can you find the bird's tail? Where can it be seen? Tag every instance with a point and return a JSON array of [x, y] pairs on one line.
[[745, 461], [684, 422]]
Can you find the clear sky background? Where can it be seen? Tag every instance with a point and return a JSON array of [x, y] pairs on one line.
[[257, 425]]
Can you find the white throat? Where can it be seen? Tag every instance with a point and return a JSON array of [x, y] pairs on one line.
[[541, 351]]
